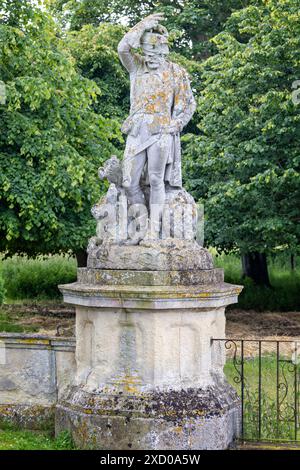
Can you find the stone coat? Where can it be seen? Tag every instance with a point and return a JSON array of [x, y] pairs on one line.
[[161, 98]]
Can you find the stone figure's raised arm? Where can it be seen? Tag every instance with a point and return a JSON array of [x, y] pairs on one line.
[[132, 40]]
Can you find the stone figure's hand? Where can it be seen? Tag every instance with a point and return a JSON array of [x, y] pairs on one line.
[[174, 127], [152, 21]]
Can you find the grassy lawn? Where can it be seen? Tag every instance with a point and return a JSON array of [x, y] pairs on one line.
[[37, 278], [28, 440], [277, 422]]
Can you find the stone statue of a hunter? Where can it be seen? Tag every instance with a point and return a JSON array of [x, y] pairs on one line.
[[162, 103]]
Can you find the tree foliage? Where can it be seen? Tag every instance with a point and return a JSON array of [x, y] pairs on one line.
[[51, 140], [245, 164], [191, 22], [95, 51]]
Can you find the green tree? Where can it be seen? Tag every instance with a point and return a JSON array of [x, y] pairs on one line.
[[245, 164], [191, 22], [51, 140], [95, 51]]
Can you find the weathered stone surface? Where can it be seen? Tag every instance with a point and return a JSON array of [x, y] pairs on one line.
[[33, 375], [206, 418], [149, 278], [163, 255], [150, 297], [162, 103], [28, 416], [148, 375], [7, 384], [134, 350], [35, 371], [181, 220]]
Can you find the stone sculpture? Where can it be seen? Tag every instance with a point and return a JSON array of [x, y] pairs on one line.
[[149, 302], [162, 103], [146, 203]]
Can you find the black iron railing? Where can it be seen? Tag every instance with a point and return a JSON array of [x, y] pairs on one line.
[[266, 375]]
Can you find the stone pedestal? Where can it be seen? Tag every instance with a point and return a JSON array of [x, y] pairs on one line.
[[148, 375]]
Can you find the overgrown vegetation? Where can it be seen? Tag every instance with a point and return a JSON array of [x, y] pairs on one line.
[[37, 278], [282, 296]]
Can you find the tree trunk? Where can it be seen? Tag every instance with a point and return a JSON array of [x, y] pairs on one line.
[[81, 257], [255, 266], [293, 263]]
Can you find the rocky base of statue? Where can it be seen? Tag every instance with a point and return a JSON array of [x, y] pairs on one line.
[[146, 236], [173, 255], [191, 419], [163, 278]]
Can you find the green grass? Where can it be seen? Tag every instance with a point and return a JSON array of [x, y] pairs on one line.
[[37, 278], [271, 428], [283, 296], [11, 439]]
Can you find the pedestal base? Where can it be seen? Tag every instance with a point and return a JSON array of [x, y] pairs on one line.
[[168, 420], [148, 375]]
